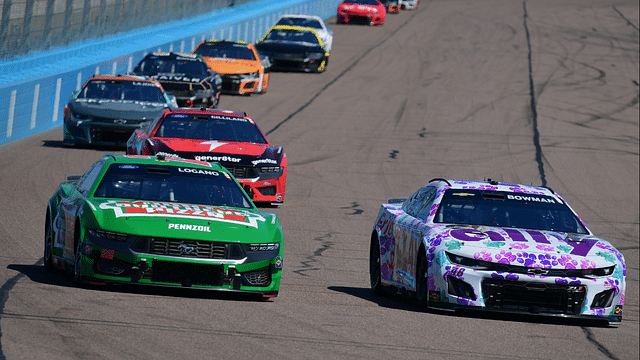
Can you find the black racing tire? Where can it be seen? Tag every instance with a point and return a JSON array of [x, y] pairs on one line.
[[375, 274], [67, 140], [68, 143], [77, 263], [422, 282], [48, 246]]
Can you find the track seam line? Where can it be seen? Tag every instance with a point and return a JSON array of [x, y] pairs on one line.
[[536, 140], [4, 296], [344, 72], [592, 339], [622, 16], [534, 111]]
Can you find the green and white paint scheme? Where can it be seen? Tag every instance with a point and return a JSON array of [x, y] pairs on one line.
[[162, 221]]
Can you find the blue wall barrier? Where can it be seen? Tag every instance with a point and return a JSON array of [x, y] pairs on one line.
[[34, 89]]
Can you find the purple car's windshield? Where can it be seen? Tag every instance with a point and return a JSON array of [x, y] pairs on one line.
[[506, 209]]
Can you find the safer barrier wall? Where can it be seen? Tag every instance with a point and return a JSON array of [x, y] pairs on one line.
[[34, 89], [27, 26]]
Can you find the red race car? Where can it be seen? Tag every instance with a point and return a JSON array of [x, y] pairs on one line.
[[230, 138], [371, 12]]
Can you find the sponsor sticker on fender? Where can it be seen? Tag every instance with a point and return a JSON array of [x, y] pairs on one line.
[[218, 158], [186, 211], [190, 227], [264, 161]]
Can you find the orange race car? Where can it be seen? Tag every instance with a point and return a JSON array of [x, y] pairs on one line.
[[239, 64], [393, 6]]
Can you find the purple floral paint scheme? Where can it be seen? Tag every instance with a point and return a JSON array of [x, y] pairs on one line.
[[498, 247]]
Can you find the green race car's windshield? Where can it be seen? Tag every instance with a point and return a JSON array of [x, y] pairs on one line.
[[296, 21], [210, 127], [170, 184], [121, 90], [152, 65], [507, 209], [292, 35], [226, 50]]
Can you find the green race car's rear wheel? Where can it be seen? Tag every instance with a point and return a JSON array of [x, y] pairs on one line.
[[48, 244]]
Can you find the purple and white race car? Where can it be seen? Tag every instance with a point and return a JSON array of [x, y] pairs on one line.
[[495, 246]]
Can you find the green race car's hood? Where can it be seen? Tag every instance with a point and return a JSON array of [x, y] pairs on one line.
[[185, 221]]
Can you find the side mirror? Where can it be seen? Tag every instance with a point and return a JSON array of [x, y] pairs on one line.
[[73, 177], [266, 62], [173, 102], [144, 124], [249, 191]]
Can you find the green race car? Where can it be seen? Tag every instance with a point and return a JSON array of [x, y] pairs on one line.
[[162, 221]]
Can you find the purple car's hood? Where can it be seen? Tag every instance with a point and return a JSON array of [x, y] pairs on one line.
[[525, 247]]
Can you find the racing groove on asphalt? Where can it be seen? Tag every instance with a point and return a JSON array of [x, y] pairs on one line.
[[339, 76], [444, 91]]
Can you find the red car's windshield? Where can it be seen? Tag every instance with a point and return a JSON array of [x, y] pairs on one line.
[[210, 127]]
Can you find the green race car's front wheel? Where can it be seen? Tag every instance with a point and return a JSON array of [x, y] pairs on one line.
[[77, 264]]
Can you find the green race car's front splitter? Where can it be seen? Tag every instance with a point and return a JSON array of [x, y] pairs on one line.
[[102, 265]]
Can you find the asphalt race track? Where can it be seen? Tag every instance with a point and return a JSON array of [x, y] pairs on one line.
[[540, 91]]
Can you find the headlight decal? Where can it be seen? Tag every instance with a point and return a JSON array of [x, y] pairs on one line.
[[108, 235], [259, 252], [264, 247], [80, 117], [270, 169], [481, 263]]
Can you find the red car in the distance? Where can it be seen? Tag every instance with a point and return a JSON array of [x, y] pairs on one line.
[[371, 12], [230, 138]]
